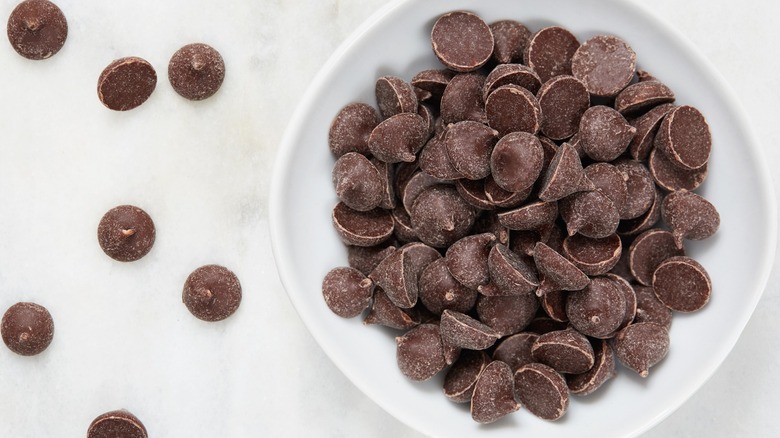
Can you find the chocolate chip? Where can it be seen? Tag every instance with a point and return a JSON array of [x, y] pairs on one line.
[[506, 74], [494, 395], [384, 312], [556, 272], [462, 99], [564, 176], [420, 352], [566, 351], [397, 276], [126, 83], [433, 81], [402, 225], [351, 128], [511, 108], [642, 96], [605, 64], [488, 222], [682, 284], [440, 216], [435, 162], [511, 39], [27, 328], [672, 178], [684, 136], [649, 219], [509, 272], [591, 214], [504, 198], [466, 332], [648, 250], [516, 161], [417, 183], [515, 350], [347, 292], [603, 369], [467, 259], [213, 293], [469, 145], [627, 290], [126, 233], [462, 376], [507, 315], [554, 305], [689, 216], [646, 128], [386, 176], [537, 216], [544, 324], [650, 309], [462, 41], [440, 291], [357, 182], [398, 138], [607, 179], [604, 133], [473, 192], [542, 391], [563, 99], [362, 228], [196, 71], [549, 52], [642, 345], [640, 188], [119, 423], [593, 256], [597, 310], [394, 96], [365, 258], [37, 29]]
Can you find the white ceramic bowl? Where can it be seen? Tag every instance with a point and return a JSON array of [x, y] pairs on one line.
[[397, 41]]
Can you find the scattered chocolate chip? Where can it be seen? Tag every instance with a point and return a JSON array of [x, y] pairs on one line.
[[593, 256], [126, 233], [384, 312], [27, 328], [196, 71], [511, 39], [556, 272], [689, 216], [362, 228], [398, 138], [37, 29], [542, 391], [440, 216], [563, 99], [682, 284], [516, 161], [603, 369], [394, 96], [642, 345], [469, 145], [672, 178], [439, 291], [511, 275], [511, 108], [605, 64], [466, 332], [648, 250], [119, 423], [462, 41], [507, 315], [566, 351], [213, 293], [420, 352], [515, 350], [462, 376], [351, 128], [494, 394], [467, 259], [604, 133], [564, 176], [642, 96], [462, 99], [549, 52], [347, 293], [597, 310], [511, 74], [684, 136], [357, 182], [126, 83]]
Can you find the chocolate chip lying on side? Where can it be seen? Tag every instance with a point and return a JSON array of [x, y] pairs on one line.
[[213, 293], [394, 96], [466, 332], [684, 136], [593, 256], [494, 395], [516, 161], [549, 52], [515, 74], [605, 64], [511, 108], [27, 328], [126, 233], [515, 350], [420, 352], [602, 370], [357, 182], [196, 71], [462, 376], [563, 100], [509, 272], [648, 250], [362, 228], [114, 424], [682, 284], [37, 29], [566, 351], [542, 391], [641, 96], [351, 128], [672, 178], [462, 99], [689, 216], [347, 292], [642, 345], [126, 83], [462, 41], [556, 272]]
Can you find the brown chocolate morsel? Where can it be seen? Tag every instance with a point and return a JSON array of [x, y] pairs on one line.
[[420, 352], [516, 161], [435, 162], [384, 312], [27, 328], [37, 29], [196, 71], [643, 223], [646, 128], [467, 259], [394, 96], [358, 183], [684, 136], [608, 180], [515, 350], [440, 291], [469, 145], [213, 292], [604, 133], [566, 351], [420, 256], [556, 272], [642, 96], [621, 268], [126, 233], [672, 178], [503, 198], [641, 345], [473, 192], [542, 391], [563, 99], [650, 309], [544, 324], [398, 138], [462, 376], [682, 284], [603, 369], [644, 75], [640, 188], [536, 216], [488, 222], [506, 74], [564, 176], [593, 256], [398, 277], [627, 290], [451, 351], [511, 108], [404, 172], [387, 177], [507, 315], [402, 225], [689, 216], [494, 395], [462, 41], [511, 39], [126, 83], [509, 272], [365, 258], [605, 63], [347, 292], [362, 228], [549, 52], [440, 216], [591, 214], [598, 310], [119, 423], [462, 99], [433, 81], [466, 332], [351, 128], [576, 143], [648, 250], [416, 184], [554, 305], [522, 242], [550, 149], [422, 96]]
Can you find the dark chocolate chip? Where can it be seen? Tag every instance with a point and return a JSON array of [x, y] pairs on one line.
[[37, 29], [593, 256], [556, 272], [504, 198], [420, 352], [394, 96], [398, 138], [126, 83], [549, 52], [462, 376], [494, 395], [511, 108], [466, 332], [564, 176], [469, 145], [598, 310], [213, 292], [439, 291], [347, 292], [511, 39], [462, 41], [672, 178], [648, 250], [196, 71], [440, 216], [515, 350], [467, 259], [509, 272], [650, 309], [605, 64], [114, 424], [632, 227], [689, 216], [126, 233], [603, 369], [350, 130], [516, 161], [507, 315], [27, 328], [591, 214], [640, 188], [473, 192], [462, 99], [608, 180], [537, 216], [433, 81], [682, 284], [642, 96], [566, 351], [435, 162], [563, 99], [542, 391], [604, 133], [506, 74], [384, 312], [357, 182], [362, 228], [398, 277], [365, 258], [684, 136], [646, 128], [642, 345]]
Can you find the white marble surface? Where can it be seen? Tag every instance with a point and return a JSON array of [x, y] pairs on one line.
[[202, 170]]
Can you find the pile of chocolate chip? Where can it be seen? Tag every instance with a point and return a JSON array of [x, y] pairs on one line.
[[521, 214]]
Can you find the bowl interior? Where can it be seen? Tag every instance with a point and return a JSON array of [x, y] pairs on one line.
[[396, 42]]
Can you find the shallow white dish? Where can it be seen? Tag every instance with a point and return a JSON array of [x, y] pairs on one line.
[[396, 41]]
